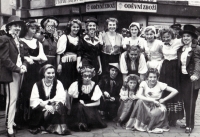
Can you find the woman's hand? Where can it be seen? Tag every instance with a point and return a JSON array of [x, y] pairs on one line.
[[156, 103], [100, 71], [82, 102], [133, 97], [106, 94], [59, 69], [112, 99], [193, 78], [29, 60], [49, 108], [161, 101]]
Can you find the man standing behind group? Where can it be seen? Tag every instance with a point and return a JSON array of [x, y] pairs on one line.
[[11, 68]]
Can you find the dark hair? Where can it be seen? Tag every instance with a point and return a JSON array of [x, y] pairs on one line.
[[133, 48], [44, 69], [25, 29], [167, 30], [136, 27], [154, 71], [69, 25], [134, 78]]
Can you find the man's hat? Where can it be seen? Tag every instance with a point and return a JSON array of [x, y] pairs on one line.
[[14, 20], [46, 18], [91, 19], [176, 26], [115, 65], [189, 29]]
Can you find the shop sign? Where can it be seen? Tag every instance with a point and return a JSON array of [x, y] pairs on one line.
[[75, 10], [137, 7], [194, 3], [67, 2], [108, 6]]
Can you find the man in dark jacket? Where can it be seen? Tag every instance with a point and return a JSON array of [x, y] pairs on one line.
[[12, 66]]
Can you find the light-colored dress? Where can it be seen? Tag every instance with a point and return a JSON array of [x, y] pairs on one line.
[[146, 115], [154, 54]]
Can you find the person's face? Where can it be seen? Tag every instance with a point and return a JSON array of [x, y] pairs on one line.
[[176, 31], [15, 29], [49, 74], [132, 84], [50, 27], [92, 27], [152, 78], [113, 73], [166, 38], [87, 76], [112, 26], [150, 36], [134, 31], [133, 55], [187, 38], [75, 28], [32, 29]]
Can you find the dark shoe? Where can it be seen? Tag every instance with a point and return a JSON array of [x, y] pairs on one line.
[[183, 126], [34, 131], [83, 127], [188, 130], [10, 135], [66, 132], [17, 127]]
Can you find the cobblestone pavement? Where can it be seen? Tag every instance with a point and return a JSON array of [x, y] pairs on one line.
[[113, 131]]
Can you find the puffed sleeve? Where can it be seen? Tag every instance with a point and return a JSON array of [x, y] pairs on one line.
[[96, 94], [34, 99], [163, 86], [60, 93], [123, 66], [142, 68], [73, 90], [125, 42], [61, 45]]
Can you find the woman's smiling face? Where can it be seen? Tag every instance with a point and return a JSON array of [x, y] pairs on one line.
[[49, 74], [112, 26], [75, 29], [187, 38]]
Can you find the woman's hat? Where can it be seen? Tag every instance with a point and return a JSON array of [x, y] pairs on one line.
[[150, 27], [91, 19], [176, 26], [115, 65], [46, 18], [189, 29], [136, 24], [32, 22], [14, 20]]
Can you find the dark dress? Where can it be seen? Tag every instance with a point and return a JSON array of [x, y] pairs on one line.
[[112, 86], [69, 72], [86, 115], [89, 51], [50, 46], [30, 77]]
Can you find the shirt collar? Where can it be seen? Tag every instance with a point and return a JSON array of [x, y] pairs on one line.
[[87, 38]]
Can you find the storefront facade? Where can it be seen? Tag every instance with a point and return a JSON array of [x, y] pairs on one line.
[[146, 12]]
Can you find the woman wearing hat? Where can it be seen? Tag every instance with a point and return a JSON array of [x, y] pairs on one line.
[[47, 103], [153, 50], [67, 53], [111, 43], [36, 56], [12, 67], [150, 114], [169, 74], [135, 40], [49, 42], [127, 98], [189, 63], [89, 50], [110, 84], [133, 61], [86, 96]]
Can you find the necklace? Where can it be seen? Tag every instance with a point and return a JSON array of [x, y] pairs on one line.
[[48, 85]]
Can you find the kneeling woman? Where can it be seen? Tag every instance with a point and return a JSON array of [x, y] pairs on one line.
[[149, 113], [86, 97], [47, 103]]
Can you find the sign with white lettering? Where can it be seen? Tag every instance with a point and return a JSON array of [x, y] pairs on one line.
[[137, 7], [67, 2], [107, 6]]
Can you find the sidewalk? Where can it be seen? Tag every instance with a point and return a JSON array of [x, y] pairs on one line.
[[113, 131]]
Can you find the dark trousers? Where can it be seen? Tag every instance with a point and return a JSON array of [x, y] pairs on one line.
[[186, 91]]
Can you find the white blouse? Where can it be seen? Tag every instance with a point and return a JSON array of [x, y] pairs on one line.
[[59, 97], [62, 42], [138, 41], [142, 67], [155, 92], [170, 51], [73, 90]]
